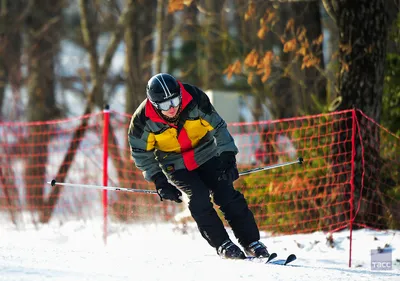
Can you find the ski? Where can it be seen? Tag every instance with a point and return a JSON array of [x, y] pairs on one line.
[[271, 257], [263, 260], [286, 261]]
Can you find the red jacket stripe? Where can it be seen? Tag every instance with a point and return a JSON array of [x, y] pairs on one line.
[[187, 150]]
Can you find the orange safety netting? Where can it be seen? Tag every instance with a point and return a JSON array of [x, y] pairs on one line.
[[349, 178]]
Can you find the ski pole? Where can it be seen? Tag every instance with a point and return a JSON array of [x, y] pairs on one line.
[[298, 161], [116, 188]]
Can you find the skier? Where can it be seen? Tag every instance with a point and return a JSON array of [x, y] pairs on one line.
[[180, 142]]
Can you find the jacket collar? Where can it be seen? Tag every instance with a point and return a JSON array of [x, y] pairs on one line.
[[152, 114]]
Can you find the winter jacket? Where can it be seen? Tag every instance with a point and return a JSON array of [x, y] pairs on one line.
[[199, 134]]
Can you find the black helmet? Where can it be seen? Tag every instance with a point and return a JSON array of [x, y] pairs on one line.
[[162, 87]]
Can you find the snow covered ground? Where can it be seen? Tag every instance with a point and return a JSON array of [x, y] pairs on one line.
[[75, 251]]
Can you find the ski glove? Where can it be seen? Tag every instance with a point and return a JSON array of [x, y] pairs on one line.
[[227, 169], [166, 190]]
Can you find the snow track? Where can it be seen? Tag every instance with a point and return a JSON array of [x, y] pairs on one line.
[[75, 251]]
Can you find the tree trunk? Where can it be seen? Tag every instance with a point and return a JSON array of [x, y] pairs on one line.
[[330, 49], [11, 42], [139, 55], [286, 92], [366, 36], [213, 66], [43, 26], [363, 32], [307, 14], [301, 90], [189, 52], [98, 73], [169, 42], [139, 51], [158, 52]]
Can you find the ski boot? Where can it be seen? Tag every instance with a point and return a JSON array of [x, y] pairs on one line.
[[256, 249], [228, 250]]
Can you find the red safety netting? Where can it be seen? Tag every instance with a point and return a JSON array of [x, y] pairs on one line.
[[349, 178], [300, 198]]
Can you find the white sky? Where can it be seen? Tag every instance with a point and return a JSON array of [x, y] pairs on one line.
[[75, 251]]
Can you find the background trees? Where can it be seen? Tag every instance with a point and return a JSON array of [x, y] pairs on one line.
[[283, 50]]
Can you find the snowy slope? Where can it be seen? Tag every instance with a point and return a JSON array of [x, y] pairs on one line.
[[75, 251]]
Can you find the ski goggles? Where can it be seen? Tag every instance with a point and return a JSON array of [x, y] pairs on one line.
[[165, 105]]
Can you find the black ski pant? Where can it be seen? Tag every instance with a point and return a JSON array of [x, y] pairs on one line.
[[202, 182]]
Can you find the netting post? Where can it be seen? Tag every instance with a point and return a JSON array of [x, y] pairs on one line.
[[353, 156], [106, 124]]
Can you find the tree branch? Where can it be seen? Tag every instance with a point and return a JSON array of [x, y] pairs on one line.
[[88, 40], [115, 39], [331, 9]]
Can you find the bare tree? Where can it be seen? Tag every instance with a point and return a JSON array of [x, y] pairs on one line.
[[158, 57], [139, 51], [98, 72], [11, 18], [43, 26], [190, 50], [212, 63]]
